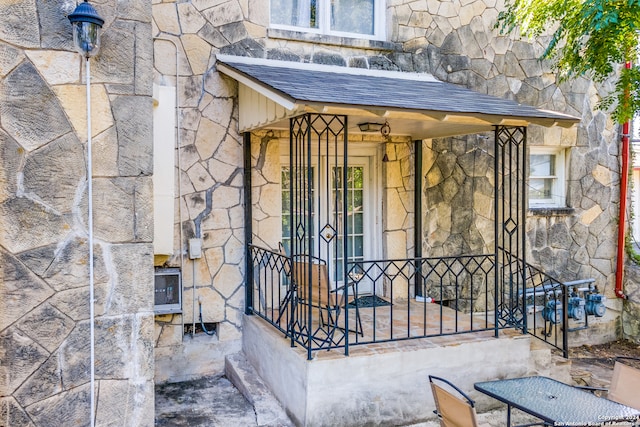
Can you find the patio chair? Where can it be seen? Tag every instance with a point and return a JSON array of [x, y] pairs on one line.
[[323, 297], [316, 294], [625, 384], [452, 410]]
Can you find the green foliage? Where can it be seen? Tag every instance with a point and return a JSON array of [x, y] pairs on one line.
[[631, 251], [587, 37]]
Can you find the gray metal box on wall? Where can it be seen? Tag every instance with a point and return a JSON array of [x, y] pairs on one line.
[[168, 291]]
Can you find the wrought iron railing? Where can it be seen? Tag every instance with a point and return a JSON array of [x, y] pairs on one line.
[[545, 305], [378, 302], [311, 316], [535, 302], [427, 297], [271, 285], [392, 300]]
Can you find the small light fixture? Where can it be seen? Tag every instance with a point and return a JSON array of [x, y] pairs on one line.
[[86, 29], [385, 131], [370, 127]]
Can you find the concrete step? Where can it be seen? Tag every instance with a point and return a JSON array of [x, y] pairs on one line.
[[587, 372], [561, 368], [244, 377], [545, 361]]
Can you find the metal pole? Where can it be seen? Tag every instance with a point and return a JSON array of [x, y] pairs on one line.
[[308, 197], [498, 277], [417, 217], [345, 237], [90, 231], [248, 224], [522, 203], [622, 221]]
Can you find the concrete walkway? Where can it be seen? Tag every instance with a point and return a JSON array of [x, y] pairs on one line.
[[216, 402], [210, 401]]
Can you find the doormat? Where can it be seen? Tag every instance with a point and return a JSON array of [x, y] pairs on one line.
[[369, 301]]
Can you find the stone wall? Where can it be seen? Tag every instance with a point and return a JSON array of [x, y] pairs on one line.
[[266, 180], [44, 318], [631, 310], [398, 208], [458, 212], [460, 45], [209, 192], [458, 196], [210, 196], [44, 275]]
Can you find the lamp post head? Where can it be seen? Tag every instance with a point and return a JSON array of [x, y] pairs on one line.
[[86, 29]]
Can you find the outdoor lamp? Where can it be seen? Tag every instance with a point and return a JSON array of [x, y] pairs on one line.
[[370, 127], [86, 29], [86, 25]]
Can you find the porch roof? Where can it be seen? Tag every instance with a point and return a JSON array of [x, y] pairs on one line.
[[270, 92]]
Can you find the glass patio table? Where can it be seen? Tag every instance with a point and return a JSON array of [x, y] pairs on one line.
[[557, 403]]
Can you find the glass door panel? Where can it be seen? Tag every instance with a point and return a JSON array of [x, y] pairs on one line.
[[354, 214], [329, 211], [359, 221], [300, 208]]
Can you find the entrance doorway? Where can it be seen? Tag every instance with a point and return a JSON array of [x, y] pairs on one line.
[[329, 206]]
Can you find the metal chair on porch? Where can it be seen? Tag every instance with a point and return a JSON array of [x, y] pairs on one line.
[[320, 294], [452, 410]]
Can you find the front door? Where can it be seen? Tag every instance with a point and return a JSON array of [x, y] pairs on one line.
[[329, 210]]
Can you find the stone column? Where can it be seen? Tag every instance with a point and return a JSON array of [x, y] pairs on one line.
[[44, 284]]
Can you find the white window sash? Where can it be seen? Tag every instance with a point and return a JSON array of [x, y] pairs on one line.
[[324, 19], [558, 190]]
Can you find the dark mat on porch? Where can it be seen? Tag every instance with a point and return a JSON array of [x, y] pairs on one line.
[[369, 301]]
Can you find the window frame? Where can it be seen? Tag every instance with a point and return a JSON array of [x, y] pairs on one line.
[[558, 197], [324, 26]]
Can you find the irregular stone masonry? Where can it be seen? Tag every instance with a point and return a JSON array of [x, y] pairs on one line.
[[456, 42], [44, 314], [43, 242]]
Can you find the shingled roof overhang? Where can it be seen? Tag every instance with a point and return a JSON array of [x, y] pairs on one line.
[[270, 92]]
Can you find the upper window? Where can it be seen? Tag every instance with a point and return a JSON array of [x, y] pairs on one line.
[[347, 18], [546, 177]]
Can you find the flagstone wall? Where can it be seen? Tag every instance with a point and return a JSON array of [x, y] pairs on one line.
[[44, 276], [462, 46], [43, 208], [458, 43]]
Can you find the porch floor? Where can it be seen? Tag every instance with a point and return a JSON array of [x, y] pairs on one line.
[[410, 319], [404, 319]]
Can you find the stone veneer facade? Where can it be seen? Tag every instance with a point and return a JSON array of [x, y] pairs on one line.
[[44, 278], [456, 42], [43, 236]]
